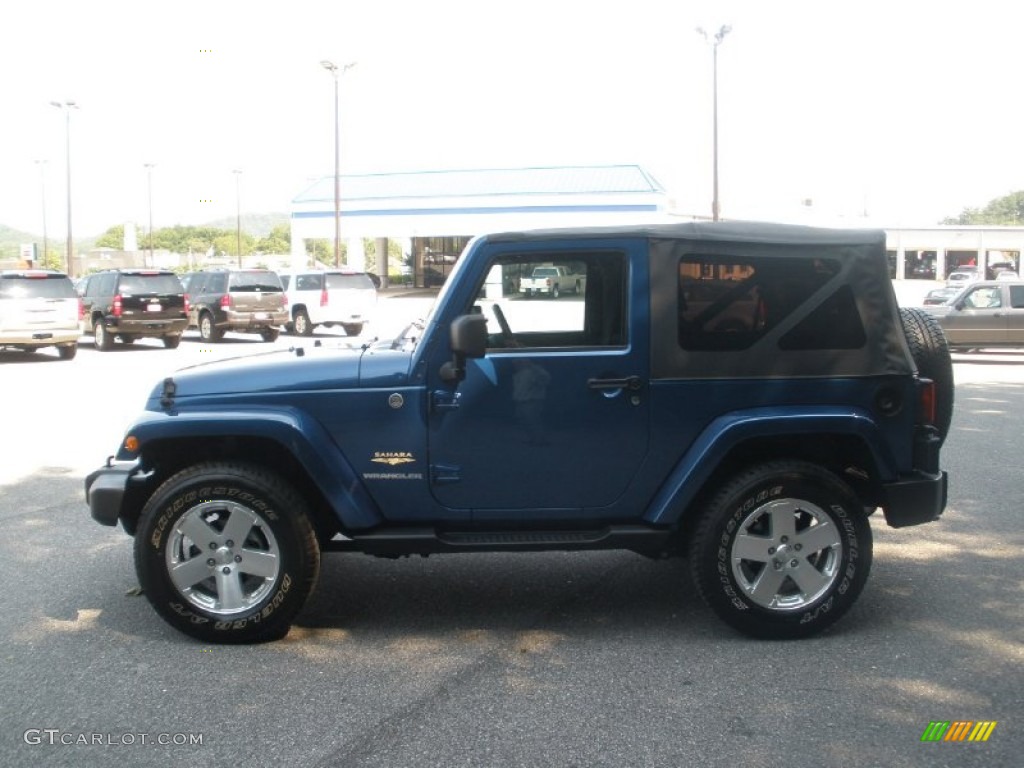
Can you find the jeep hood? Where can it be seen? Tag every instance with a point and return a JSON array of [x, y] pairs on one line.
[[300, 369]]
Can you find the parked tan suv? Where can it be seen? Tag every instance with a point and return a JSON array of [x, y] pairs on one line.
[[39, 308], [243, 300]]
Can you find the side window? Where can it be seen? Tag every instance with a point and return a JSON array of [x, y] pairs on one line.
[[217, 282], [983, 298], [729, 303], [555, 300], [1017, 296]]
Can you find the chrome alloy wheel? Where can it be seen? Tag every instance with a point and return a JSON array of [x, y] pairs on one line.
[[222, 558], [786, 554]]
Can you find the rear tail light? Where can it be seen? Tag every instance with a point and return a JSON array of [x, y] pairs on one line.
[[118, 306], [81, 309], [926, 401], [225, 301], [323, 297], [188, 304]]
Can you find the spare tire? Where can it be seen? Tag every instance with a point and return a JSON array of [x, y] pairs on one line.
[[930, 351]]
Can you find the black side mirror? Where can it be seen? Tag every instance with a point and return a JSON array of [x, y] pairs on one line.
[[469, 339]]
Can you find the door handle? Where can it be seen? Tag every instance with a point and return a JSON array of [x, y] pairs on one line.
[[632, 383]]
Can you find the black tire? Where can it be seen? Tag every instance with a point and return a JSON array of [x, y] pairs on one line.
[[555, 292], [353, 329], [208, 330], [67, 351], [930, 351], [104, 341], [758, 532], [301, 324], [240, 545], [270, 334], [172, 342], [126, 340]]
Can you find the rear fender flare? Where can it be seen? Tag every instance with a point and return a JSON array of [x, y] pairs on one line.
[[723, 434]]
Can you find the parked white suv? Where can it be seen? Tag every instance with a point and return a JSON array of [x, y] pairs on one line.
[[328, 297], [39, 308]]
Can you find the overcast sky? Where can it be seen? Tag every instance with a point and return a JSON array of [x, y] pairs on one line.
[[909, 111]]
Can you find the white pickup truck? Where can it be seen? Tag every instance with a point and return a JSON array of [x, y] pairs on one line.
[[553, 281]]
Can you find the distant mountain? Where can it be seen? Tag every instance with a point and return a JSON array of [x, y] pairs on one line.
[[256, 224], [11, 240]]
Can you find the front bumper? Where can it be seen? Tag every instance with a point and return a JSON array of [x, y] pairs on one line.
[[916, 499], [106, 488]]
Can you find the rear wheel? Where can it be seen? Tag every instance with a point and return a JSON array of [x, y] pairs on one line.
[[555, 293], [930, 351], [208, 331], [301, 323], [104, 341], [782, 551], [172, 342], [67, 351], [226, 553], [270, 334], [353, 329]]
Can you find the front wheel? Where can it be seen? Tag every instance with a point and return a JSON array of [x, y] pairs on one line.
[[226, 553], [782, 550], [104, 341]]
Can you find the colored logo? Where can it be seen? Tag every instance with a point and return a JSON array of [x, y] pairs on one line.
[[958, 730]]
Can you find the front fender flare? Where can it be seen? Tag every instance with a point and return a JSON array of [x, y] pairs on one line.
[[294, 430]]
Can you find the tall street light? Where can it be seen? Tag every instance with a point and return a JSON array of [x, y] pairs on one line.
[[719, 36], [42, 188], [67, 106], [238, 214], [333, 68], [149, 191]]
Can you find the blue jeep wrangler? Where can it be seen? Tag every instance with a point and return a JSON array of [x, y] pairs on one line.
[[743, 395]]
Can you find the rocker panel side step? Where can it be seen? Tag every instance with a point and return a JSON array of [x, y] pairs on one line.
[[394, 542]]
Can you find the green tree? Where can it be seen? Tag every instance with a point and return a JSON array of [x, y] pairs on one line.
[[278, 241], [1003, 211], [112, 238]]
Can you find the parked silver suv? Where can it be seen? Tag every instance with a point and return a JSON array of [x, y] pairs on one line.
[[39, 308], [328, 297]]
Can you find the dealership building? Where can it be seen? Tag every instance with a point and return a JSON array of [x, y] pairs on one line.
[[435, 213]]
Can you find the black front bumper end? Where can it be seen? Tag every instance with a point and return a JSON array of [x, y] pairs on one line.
[[106, 488]]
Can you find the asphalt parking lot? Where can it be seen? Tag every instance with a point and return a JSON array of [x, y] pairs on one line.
[[584, 659]]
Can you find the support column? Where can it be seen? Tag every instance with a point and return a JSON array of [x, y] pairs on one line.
[[382, 266], [901, 262], [940, 263]]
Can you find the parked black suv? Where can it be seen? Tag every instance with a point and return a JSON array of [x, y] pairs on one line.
[[129, 304], [245, 300]]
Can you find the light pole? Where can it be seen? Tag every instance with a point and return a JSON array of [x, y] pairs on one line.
[[331, 67], [719, 36], [238, 214], [42, 188], [67, 106], [149, 192]]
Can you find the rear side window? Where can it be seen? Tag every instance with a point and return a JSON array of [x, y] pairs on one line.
[[1017, 296], [43, 287], [255, 281], [137, 285], [337, 281], [729, 303]]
